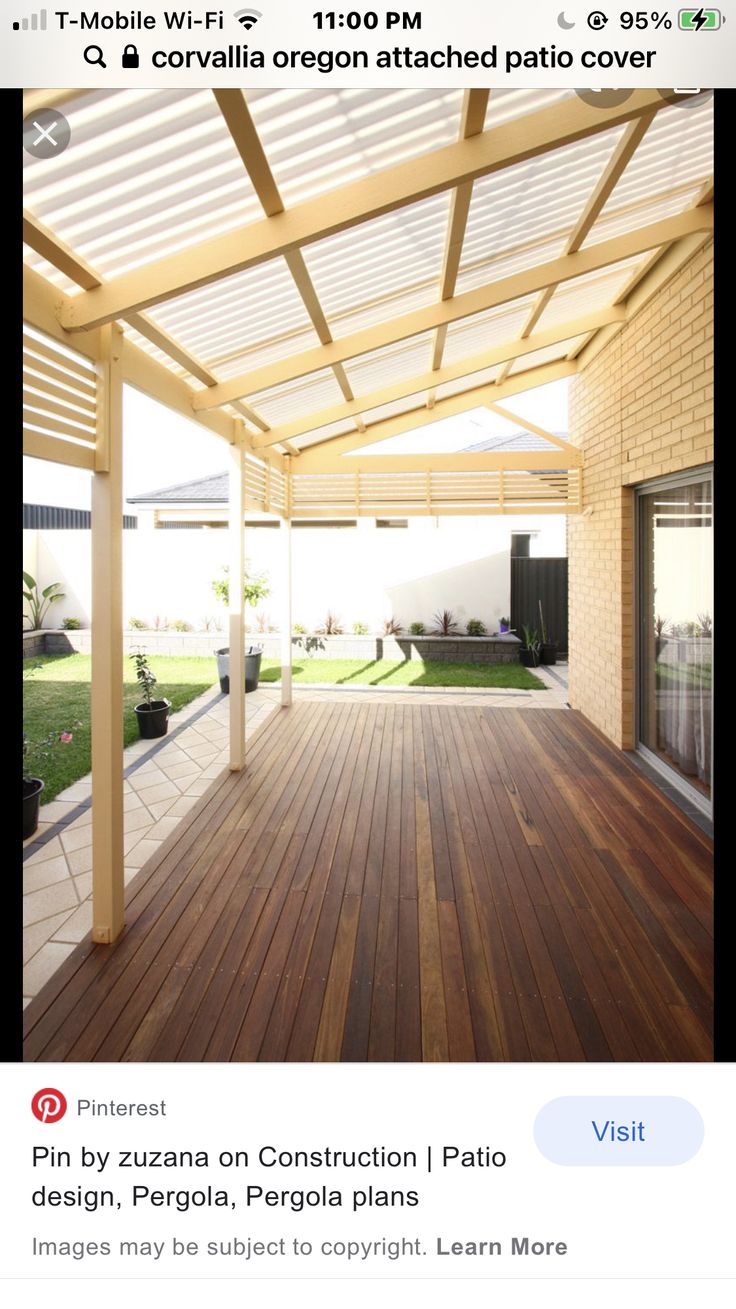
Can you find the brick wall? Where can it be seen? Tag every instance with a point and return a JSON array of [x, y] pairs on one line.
[[641, 409]]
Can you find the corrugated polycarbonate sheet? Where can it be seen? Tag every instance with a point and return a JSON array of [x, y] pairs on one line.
[[483, 331], [628, 220], [147, 173], [387, 255], [677, 151], [394, 363], [225, 318], [588, 294], [383, 309], [549, 355], [317, 140], [534, 201], [469, 383], [295, 399]]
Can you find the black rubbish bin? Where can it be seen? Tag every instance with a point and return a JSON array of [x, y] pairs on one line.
[[253, 655]]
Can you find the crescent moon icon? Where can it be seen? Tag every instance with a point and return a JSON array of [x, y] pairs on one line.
[[562, 21]]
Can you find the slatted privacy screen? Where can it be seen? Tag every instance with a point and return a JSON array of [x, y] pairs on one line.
[[265, 487], [495, 492], [59, 402]]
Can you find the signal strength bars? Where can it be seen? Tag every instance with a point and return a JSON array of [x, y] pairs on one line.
[[247, 17], [36, 23]]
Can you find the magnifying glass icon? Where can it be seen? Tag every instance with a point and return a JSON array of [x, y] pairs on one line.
[[94, 55]]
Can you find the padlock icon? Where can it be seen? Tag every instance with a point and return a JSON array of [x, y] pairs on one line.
[[130, 57]]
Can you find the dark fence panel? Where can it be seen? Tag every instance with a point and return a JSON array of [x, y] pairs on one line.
[[45, 517], [533, 580]]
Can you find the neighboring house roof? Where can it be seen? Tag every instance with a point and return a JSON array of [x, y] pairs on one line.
[[213, 490]]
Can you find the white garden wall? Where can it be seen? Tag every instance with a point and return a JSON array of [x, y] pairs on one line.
[[362, 574]]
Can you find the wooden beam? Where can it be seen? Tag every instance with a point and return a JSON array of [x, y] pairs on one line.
[[460, 462], [456, 404], [236, 578], [49, 99], [503, 291], [448, 373], [357, 202], [532, 427], [108, 882]]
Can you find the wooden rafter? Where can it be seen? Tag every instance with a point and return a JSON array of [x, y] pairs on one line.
[[347, 206], [611, 175], [51, 248], [421, 416], [448, 373], [234, 109], [475, 104], [503, 291]]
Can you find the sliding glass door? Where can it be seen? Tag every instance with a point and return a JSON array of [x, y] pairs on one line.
[[675, 555]]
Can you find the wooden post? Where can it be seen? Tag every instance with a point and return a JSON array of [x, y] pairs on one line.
[[108, 881], [286, 647], [237, 583]]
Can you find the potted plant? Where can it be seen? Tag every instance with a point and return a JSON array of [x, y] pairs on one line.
[[34, 752], [254, 589], [504, 625], [549, 648], [531, 649], [152, 715]]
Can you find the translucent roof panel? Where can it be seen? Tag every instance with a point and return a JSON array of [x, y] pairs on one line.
[[588, 294], [534, 201], [147, 173], [676, 152], [394, 363], [482, 378], [628, 220], [494, 327], [295, 399], [383, 308], [319, 139], [549, 355], [393, 253], [224, 319], [503, 106]]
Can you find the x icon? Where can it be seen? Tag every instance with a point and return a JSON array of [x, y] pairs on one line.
[[45, 133]]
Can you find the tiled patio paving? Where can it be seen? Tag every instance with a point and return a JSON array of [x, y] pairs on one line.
[[57, 877]]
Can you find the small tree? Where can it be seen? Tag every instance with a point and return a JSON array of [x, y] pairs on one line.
[[256, 588], [146, 679], [39, 603]]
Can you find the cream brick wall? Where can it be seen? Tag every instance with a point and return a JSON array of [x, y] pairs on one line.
[[642, 408]]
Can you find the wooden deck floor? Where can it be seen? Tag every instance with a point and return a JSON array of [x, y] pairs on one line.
[[393, 882]]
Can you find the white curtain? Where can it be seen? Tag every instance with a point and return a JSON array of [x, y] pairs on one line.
[[684, 704]]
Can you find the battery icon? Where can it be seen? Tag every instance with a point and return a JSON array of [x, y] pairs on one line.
[[699, 20]]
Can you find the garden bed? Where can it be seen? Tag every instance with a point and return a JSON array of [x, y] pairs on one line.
[[398, 649]]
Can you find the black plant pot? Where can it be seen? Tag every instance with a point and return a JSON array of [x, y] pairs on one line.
[[153, 722], [549, 652], [32, 788], [529, 658]]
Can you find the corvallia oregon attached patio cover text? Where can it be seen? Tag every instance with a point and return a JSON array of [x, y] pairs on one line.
[[308, 273]]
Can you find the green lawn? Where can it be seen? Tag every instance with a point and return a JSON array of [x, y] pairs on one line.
[[56, 697], [382, 672]]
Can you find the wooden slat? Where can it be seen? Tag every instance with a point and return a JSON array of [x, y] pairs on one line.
[[404, 881]]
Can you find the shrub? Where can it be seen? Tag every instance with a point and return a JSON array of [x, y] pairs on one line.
[[181, 625], [39, 603], [445, 623], [475, 627], [417, 629], [70, 624], [360, 629], [146, 679], [137, 624], [392, 627], [332, 626], [298, 629]]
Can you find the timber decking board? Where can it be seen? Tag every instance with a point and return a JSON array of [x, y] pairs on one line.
[[405, 882]]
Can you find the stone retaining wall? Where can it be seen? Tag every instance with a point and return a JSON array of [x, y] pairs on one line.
[[454, 649]]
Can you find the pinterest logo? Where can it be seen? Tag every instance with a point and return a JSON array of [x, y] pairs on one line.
[[48, 1105]]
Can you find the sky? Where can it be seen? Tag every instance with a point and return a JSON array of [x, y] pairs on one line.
[[161, 447]]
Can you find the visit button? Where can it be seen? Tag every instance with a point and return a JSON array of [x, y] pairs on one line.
[[619, 1131]]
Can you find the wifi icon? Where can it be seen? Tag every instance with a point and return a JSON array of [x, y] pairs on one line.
[[248, 17]]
